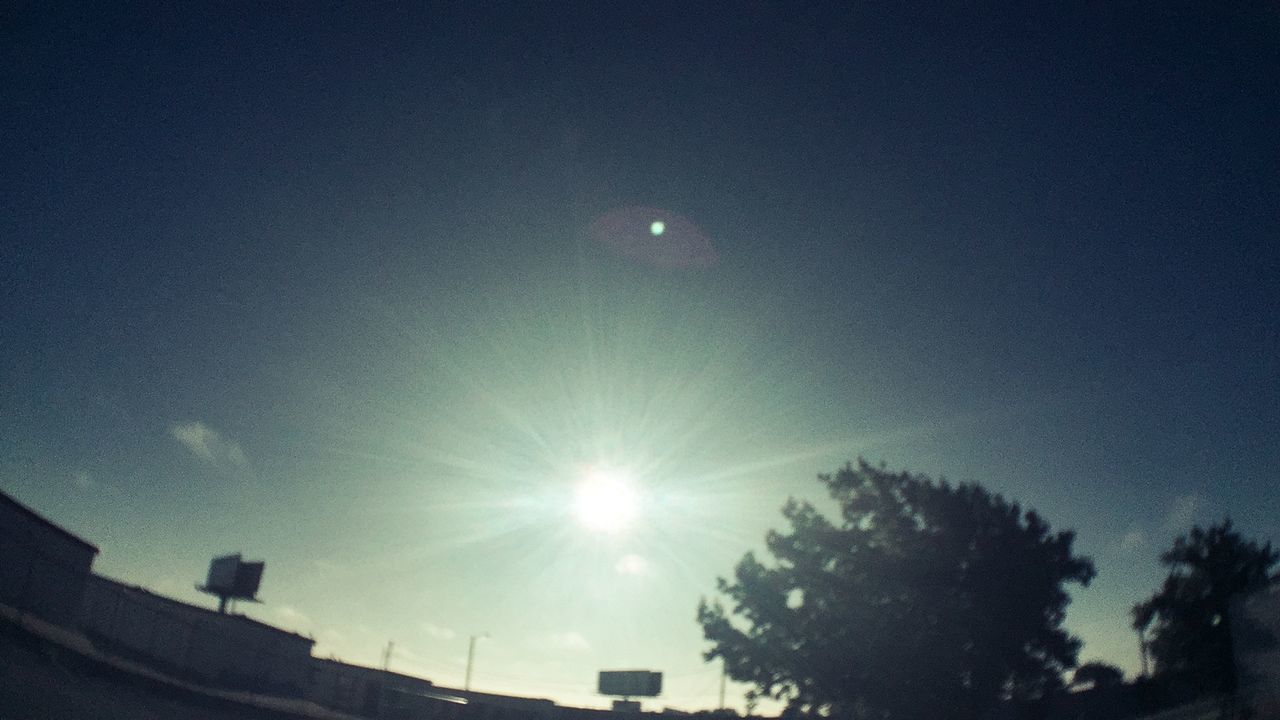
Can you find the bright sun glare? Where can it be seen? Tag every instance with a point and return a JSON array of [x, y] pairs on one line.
[[605, 502]]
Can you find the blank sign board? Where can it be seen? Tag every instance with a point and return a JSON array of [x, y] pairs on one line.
[[222, 573], [232, 577], [630, 683]]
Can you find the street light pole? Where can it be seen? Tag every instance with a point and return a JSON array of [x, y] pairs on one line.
[[471, 658], [724, 675]]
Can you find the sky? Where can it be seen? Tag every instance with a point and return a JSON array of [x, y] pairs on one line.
[[367, 291]]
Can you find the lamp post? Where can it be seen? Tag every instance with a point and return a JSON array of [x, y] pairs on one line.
[[471, 658]]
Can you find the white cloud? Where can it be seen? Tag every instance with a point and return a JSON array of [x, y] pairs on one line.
[[330, 643], [171, 585], [438, 632], [84, 481], [405, 660], [1133, 540], [290, 614], [208, 444], [632, 565], [569, 640], [1182, 512], [327, 566]]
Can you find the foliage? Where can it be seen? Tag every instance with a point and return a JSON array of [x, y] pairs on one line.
[[1189, 618], [924, 600], [1097, 674]]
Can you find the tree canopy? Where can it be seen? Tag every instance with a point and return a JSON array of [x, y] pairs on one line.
[[1097, 674], [1189, 617], [923, 599]]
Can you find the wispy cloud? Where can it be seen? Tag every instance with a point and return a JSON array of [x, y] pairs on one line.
[[209, 445], [569, 640], [84, 481], [438, 632], [292, 616], [170, 585], [632, 565], [1134, 540], [1182, 512], [329, 643], [327, 566]]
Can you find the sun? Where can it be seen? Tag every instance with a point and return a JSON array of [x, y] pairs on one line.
[[605, 502]]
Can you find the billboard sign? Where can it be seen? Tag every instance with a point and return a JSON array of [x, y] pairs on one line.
[[248, 577], [230, 576], [630, 683], [222, 573]]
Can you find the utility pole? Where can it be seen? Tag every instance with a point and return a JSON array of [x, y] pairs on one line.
[[471, 657], [724, 676], [386, 656]]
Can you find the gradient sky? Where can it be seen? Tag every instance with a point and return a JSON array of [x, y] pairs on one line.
[[327, 285]]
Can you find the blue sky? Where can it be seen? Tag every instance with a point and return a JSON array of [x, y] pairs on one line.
[[321, 284]]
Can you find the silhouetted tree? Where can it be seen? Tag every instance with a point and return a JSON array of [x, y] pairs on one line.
[[1189, 618], [1097, 674], [924, 599]]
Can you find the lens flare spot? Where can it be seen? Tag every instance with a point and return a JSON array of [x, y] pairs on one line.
[[654, 237]]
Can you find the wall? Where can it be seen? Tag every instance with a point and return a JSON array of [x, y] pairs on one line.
[[381, 694], [193, 642], [373, 692], [43, 568], [1255, 625]]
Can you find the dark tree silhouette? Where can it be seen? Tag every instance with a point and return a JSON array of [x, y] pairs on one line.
[[1097, 674], [923, 600], [1189, 619]]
